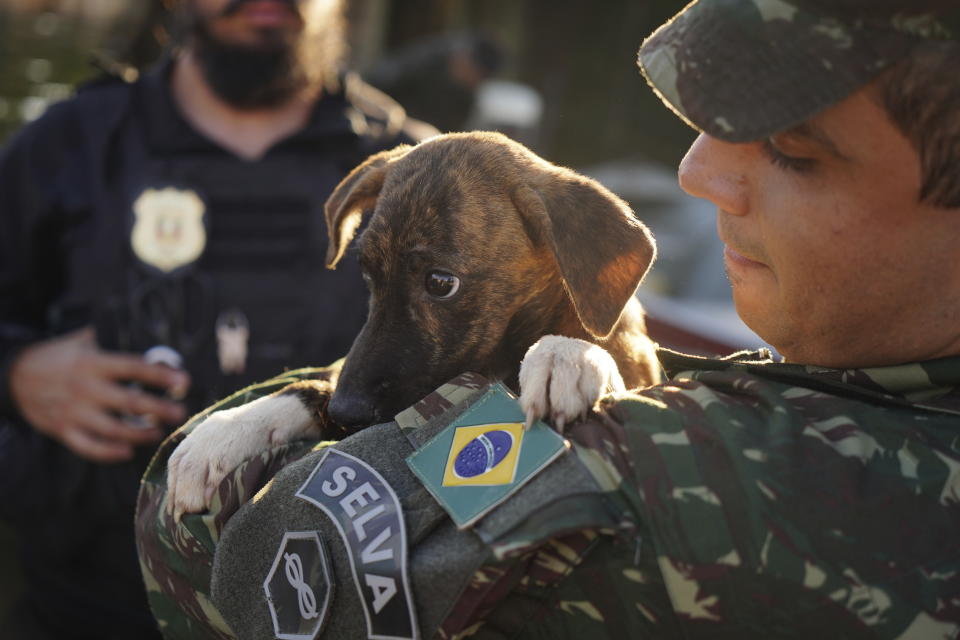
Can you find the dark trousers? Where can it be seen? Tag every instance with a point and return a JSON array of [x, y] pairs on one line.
[[73, 521], [24, 623]]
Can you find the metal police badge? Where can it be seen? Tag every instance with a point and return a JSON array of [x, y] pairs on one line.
[[298, 586], [369, 518], [168, 231]]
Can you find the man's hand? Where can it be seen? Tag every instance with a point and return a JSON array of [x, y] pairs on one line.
[[70, 390]]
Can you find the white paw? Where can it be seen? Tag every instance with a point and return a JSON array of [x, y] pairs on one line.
[[563, 378], [224, 440]]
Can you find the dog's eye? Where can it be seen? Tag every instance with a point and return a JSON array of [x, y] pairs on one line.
[[441, 284]]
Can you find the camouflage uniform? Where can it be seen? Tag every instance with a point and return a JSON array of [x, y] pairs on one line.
[[743, 498], [177, 558]]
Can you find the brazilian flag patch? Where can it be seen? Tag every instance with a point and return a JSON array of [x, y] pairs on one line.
[[484, 456]]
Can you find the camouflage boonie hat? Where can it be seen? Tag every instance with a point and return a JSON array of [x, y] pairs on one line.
[[741, 70]]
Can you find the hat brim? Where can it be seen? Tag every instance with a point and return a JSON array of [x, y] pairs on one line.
[[739, 75]]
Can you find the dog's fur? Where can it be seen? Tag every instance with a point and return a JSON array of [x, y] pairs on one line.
[[537, 249]]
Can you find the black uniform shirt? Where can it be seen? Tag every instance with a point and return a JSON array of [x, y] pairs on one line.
[[68, 188]]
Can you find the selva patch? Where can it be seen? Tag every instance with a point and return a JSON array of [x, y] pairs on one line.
[[369, 518]]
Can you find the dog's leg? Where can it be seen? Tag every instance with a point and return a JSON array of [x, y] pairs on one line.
[[562, 378], [228, 437]]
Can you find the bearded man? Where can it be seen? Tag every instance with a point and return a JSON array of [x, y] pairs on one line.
[[178, 216]]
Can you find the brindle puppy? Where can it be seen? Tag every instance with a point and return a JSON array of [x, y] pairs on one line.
[[475, 249]]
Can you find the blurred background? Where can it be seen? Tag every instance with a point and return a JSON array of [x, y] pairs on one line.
[[560, 76], [580, 60]]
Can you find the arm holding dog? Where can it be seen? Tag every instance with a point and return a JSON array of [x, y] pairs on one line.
[[191, 538], [661, 463]]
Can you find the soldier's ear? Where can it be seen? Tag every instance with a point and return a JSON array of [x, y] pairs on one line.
[[355, 195]]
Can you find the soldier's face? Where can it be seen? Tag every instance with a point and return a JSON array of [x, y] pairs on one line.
[[831, 256]]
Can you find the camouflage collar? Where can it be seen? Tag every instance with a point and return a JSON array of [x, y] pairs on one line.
[[932, 385]]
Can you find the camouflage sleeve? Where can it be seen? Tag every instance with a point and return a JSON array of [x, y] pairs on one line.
[[592, 583], [723, 503], [781, 506], [584, 585], [176, 558], [766, 501]]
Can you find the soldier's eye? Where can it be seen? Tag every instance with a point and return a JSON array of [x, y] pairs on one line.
[[441, 284], [784, 161]]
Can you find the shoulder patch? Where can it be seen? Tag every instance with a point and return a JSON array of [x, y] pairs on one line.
[[369, 517], [299, 586], [484, 456]]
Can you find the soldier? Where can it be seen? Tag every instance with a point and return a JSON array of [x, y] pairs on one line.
[[183, 210], [743, 498]]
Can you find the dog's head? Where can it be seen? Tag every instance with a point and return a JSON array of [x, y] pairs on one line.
[[474, 249]]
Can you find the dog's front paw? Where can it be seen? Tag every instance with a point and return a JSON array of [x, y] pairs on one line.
[[563, 378], [224, 440]]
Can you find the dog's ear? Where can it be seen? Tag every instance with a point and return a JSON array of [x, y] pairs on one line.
[[602, 251], [354, 195]]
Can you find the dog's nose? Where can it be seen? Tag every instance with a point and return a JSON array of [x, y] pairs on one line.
[[352, 411]]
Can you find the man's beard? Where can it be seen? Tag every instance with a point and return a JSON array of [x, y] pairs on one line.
[[255, 76]]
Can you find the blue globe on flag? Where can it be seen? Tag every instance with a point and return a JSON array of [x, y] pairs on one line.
[[483, 453]]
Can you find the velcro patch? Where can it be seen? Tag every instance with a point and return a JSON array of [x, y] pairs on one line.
[[299, 587], [484, 456], [369, 518]]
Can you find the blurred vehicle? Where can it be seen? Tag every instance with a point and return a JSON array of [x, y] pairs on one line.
[[686, 294]]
